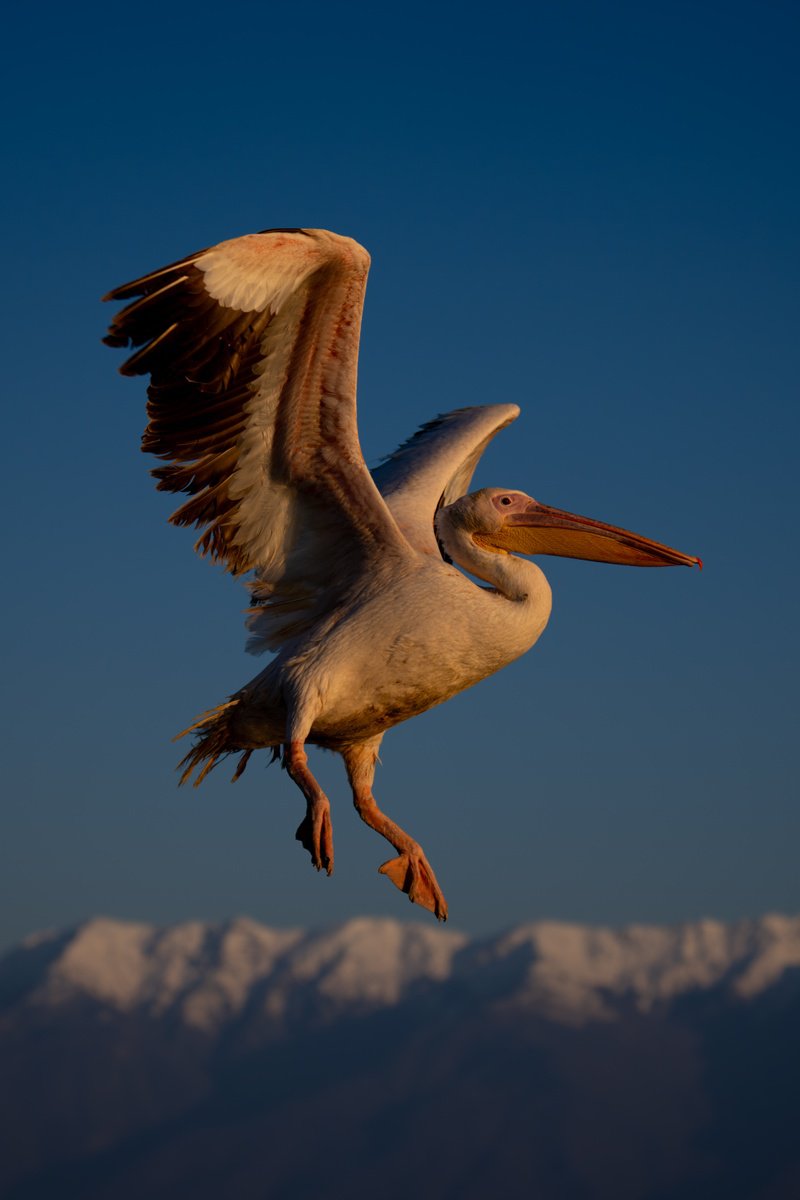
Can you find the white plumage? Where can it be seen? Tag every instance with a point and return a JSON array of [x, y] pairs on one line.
[[252, 349]]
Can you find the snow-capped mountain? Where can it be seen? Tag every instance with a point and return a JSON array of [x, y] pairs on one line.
[[208, 974], [374, 1057]]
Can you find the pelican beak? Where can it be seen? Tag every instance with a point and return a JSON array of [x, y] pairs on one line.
[[540, 529]]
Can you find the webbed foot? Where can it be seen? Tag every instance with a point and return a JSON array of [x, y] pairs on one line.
[[315, 834], [413, 874]]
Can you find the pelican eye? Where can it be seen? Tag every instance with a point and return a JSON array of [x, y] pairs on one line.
[[505, 499]]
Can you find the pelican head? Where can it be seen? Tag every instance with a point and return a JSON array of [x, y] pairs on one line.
[[509, 521]]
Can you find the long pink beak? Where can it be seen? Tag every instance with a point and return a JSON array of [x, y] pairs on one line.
[[540, 529]]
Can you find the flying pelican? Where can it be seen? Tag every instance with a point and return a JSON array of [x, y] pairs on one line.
[[252, 351]]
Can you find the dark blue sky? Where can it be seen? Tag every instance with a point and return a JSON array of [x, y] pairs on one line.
[[591, 210]]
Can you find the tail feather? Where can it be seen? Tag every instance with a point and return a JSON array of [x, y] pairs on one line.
[[214, 741]]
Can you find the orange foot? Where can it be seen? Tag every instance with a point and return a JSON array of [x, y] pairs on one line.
[[315, 834], [413, 874]]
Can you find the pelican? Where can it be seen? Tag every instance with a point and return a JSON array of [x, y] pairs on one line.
[[363, 584]]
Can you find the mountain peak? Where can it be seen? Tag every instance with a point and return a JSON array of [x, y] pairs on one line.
[[206, 974]]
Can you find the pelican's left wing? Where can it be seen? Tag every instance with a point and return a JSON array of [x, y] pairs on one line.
[[252, 351], [435, 466]]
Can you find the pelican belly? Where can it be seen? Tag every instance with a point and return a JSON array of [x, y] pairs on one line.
[[417, 641]]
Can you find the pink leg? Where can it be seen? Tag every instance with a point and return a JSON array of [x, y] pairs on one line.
[[411, 871], [315, 832]]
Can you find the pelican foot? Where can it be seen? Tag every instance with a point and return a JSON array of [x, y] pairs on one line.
[[315, 834], [413, 874]]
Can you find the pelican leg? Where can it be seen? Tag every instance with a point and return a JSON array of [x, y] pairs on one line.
[[315, 831], [410, 872]]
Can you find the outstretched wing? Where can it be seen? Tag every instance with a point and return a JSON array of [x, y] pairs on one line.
[[435, 466], [252, 351]]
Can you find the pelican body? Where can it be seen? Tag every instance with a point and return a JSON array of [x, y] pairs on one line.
[[396, 653], [358, 579]]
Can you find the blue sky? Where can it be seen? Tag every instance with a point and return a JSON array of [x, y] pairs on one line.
[[588, 209]]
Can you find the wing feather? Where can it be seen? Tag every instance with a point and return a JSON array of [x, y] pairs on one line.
[[252, 349], [435, 467]]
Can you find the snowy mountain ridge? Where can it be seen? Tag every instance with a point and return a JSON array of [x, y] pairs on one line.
[[207, 974]]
